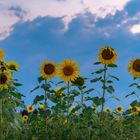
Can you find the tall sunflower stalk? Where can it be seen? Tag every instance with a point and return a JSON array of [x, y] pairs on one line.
[[134, 70], [104, 87], [68, 71]]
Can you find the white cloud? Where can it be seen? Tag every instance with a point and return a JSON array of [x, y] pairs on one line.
[[135, 29], [68, 9]]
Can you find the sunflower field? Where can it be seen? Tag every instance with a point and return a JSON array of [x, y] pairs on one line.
[[69, 109]]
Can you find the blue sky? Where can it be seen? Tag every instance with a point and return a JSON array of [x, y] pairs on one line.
[[31, 33]]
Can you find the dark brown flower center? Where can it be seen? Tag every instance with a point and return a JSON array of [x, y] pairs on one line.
[[108, 110], [3, 79], [136, 65], [79, 81], [119, 108], [134, 109], [107, 54], [68, 70], [30, 108], [49, 68]]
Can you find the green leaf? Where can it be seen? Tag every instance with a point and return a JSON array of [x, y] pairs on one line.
[[114, 77], [38, 98], [100, 71], [112, 65], [133, 84], [132, 93], [17, 84], [96, 63], [95, 79], [37, 87], [134, 103], [116, 98], [40, 79], [109, 81], [89, 90], [110, 89]]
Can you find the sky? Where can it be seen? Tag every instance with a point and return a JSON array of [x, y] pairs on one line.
[[34, 31]]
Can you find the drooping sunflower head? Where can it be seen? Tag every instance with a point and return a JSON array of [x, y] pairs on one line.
[[119, 109], [30, 108], [68, 70], [108, 110], [1, 54], [134, 110], [4, 81], [25, 118], [13, 66], [107, 55], [79, 81], [134, 67], [48, 70]]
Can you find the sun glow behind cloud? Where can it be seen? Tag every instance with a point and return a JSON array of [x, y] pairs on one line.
[[17, 11]]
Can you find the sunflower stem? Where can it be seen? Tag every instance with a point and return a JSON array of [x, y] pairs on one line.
[[45, 103], [68, 90], [104, 88]]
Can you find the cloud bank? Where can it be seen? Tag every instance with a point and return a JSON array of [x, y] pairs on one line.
[[19, 11]]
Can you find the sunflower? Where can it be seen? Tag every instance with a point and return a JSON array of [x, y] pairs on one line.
[[79, 81], [107, 55], [25, 118], [48, 70], [4, 81], [108, 110], [134, 67], [68, 70], [41, 106], [30, 108], [119, 109], [134, 110], [13, 66], [1, 54]]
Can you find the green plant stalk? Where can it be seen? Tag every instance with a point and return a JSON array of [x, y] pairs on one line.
[[68, 91], [104, 86], [1, 119], [45, 97], [82, 97]]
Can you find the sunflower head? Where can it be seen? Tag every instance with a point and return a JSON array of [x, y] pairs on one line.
[[48, 70], [4, 81], [134, 110], [25, 118], [41, 106], [68, 70], [1, 54], [107, 55], [30, 108], [134, 67], [108, 110], [119, 109], [13, 66], [79, 81]]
